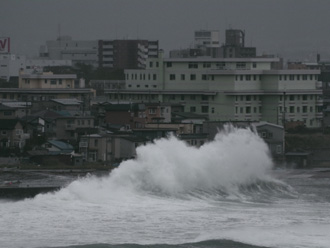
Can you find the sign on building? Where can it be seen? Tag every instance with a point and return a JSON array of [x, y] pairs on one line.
[[4, 44]]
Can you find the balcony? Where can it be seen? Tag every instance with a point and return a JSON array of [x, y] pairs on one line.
[[70, 127]]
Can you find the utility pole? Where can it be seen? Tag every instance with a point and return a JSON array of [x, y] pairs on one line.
[[284, 109]]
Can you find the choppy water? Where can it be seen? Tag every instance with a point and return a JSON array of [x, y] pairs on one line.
[[224, 194]]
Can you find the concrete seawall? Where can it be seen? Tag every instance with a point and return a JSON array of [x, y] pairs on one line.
[[24, 192]]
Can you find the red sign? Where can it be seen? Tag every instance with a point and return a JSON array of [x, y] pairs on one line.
[[4, 44]]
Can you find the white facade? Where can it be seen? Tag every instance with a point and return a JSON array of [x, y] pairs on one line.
[[64, 48], [10, 65], [231, 89], [207, 38]]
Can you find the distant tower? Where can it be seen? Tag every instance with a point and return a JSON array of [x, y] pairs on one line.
[[235, 37]]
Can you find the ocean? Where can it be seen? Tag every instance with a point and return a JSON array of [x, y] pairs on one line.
[[226, 193]]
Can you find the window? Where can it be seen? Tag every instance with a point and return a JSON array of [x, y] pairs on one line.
[[157, 64], [291, 97], [204, 98], [150, 64], [183, 77], [304, 97], [291, 77], [248, 98], [96, 142], [192, 97], [192, 65], [193, 109], [241, 77], [152, 111], [60, 81], [247, 77], [304, 77], [279, 149], [205, 109], [311, 109], [240, 65], [304, 110], [154, 77], [182, 97], [192, 76], [204, 77], [172, 76], [45, 81], [248, 110], [255, 77], [169, 64], [291, 109], [254, 65], [206, 65], [52, 81], [7, 113], [212, 110]]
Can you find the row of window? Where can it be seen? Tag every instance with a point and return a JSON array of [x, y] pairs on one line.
[[301, 109], [219, 65], [248, 77], [299, 97], [203, 109], [248, 98], [298, 77], [142, 76], [192, 77], [248, 110]]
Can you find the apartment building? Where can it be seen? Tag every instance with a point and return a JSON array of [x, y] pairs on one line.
[[228, 89], [126, 54]]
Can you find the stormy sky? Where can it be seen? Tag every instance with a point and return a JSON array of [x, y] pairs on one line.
[[293, 29]]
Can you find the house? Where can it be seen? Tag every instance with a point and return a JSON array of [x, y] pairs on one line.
[[124, 147], [130, 115], [14, 109], [96, 147], [57, 147], [12, 135], [273, 135]]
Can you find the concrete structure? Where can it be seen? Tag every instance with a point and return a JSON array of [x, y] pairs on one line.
[[235, 45], [126, 54], [229, 89], [46, 80], [11, 65], [64, 48]]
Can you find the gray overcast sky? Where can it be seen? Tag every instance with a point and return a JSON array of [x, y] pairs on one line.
[[291, 28]]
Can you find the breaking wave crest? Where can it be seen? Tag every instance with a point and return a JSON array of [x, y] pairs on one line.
[[235, 164]]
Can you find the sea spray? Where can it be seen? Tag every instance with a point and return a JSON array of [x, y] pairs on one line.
[[235, 157]]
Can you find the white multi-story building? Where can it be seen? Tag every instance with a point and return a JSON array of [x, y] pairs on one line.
[[10, 65], [207, 39], [228, 89], [64, 48]]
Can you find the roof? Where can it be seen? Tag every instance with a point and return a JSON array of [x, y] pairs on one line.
[[8, 124], [69, 101], [61, 145], [188, 115], [264, 123]]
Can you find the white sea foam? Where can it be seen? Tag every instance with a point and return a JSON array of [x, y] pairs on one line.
[[141, 201]]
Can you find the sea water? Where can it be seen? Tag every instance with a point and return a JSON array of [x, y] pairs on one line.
[[223, 194]]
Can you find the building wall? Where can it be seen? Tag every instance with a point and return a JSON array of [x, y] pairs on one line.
[[249, 90]]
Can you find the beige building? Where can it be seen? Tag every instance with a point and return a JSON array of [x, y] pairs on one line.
[[46, 80]]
